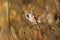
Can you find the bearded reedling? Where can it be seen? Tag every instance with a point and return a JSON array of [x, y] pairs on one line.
[[31, 18]]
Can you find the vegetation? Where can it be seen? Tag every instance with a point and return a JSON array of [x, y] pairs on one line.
[[15, 26]]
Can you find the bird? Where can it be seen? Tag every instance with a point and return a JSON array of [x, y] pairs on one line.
[[29, 16]]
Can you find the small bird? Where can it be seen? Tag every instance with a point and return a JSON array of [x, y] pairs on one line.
[[31, 17]]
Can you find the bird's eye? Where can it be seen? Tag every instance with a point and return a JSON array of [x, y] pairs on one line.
[[27, 15]]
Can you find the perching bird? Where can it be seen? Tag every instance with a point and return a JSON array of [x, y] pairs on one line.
[[31, 17]]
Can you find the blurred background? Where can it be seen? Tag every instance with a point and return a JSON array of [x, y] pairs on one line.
[[15, 26]]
